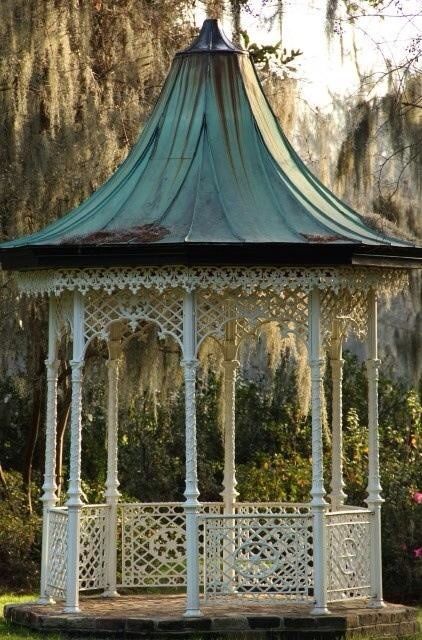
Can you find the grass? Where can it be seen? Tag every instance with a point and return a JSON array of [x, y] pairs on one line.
[[12, 632]]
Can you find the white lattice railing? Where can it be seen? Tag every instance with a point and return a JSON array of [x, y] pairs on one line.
[[348, 544], [265, 554], [153, 543], [92, 554], [92, 549], [57, 552], [263, 549]]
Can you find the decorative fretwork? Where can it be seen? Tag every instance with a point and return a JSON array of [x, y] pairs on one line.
[[261, 550], [218, 279], [288, 308], [57, 552], [348, 544], [153, 543], [349, 308], [92, 569], [163, 309], [260, 555], [271, 508]]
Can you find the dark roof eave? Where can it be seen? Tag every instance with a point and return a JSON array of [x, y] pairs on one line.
[[274, 254]]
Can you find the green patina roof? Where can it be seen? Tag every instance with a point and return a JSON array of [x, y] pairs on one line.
[[212, 166]]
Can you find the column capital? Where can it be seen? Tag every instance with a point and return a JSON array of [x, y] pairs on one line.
[[76, 366], [231, 364], [190, 363], [316, 366], [315, 363], [52, 365], [190, 368], [337, 364], [372, 364]]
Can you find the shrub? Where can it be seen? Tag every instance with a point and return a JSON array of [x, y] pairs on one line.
[[20, 536]]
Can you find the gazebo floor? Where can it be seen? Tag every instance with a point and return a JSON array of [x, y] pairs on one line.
[[153, 616]]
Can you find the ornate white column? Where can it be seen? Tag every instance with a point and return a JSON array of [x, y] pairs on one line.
[[318, 503], [49, 497], [191, 505], [374, 499], [229, 493], [74, 501], [112, 493], [337, 494], [230, 365]]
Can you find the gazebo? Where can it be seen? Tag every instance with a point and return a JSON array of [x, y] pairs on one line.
[[212, 227]]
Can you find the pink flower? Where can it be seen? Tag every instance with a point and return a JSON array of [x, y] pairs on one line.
[[417, 497], [417, 552]]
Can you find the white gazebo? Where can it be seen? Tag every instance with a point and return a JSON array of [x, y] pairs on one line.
[[212, 227]]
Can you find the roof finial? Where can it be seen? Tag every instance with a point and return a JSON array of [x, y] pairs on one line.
[[211, 39]]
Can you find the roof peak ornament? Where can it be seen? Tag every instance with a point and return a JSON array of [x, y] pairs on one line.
[[211, 39]]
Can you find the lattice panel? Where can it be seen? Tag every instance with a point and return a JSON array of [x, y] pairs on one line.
[[153, 543], [288, 308], [163, 309], [255, 556], [348, 543], [351, 308], [57, 552], [92, 556]]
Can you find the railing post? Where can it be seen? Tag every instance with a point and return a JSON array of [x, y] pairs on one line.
[[318, 502], [112, 493], [191, 504], [337, 494], [374, 499], [74, 501], [49, 497]]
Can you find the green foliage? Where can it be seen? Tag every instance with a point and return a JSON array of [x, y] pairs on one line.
[[263, 54], [19, 536], [14, 418]]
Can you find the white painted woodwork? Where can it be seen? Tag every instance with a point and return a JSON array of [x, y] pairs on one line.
[[374, 499], [318, 502], [217, 279], [229, 493], [190, 304], [74, 501], [190, 364], [112, 493], [49, 497], [337, 495], [230, 365]]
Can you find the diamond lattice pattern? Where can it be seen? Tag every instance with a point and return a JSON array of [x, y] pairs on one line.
[[57, 552], [92, 569]]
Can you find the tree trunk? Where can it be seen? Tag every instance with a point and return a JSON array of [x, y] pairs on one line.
[[32, 437], [62, 420]]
